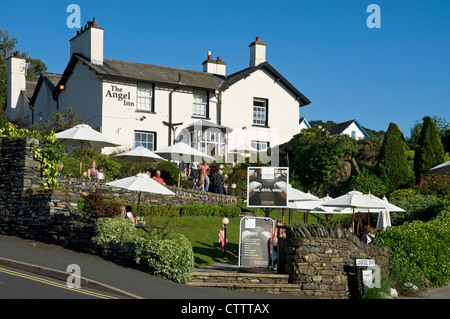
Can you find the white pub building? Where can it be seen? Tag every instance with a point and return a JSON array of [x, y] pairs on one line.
[[156, 106]]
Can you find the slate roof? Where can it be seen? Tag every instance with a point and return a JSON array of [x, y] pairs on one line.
[[173, 76], [235, 77], [51, 79], [150, 73], [339, 128], [29, 89]]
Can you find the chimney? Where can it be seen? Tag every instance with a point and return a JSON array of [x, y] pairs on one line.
[[16, 82], [257, 52], [214, 66], [89, 43]]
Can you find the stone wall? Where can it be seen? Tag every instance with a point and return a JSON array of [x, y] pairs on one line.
[[322, 260], [181, 196], [28, 211], [50, 217]]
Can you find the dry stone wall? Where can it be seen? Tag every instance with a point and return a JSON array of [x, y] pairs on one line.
[[322, 260]]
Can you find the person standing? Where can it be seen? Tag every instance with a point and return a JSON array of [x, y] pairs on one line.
[[204, 172], [219, 181], [92, 172]]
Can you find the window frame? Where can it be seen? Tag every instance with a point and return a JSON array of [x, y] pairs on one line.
[[151, 88], [265, 121], [147, 133], [205, 103]]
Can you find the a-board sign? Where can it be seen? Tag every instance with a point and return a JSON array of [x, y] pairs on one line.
[[267, 187], [256, 236]]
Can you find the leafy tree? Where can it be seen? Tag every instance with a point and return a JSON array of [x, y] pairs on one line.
[[314, 156], [368, 182], [35, 69], [393, 167], [3, 80], [446, 140], [430, 151]]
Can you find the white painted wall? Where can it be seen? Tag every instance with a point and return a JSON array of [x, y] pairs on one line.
[[44, 105], [82, 92], [237, 110], [17, 104], [353, 128]]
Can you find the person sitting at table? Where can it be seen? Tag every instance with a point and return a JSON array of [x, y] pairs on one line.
[[158, 177], [101, 174], [129, 214], [199, 185]]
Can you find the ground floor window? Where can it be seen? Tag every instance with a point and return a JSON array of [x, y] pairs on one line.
[[145, 139], [260, 145]]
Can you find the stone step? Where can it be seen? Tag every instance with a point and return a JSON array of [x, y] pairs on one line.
[[264, 283]]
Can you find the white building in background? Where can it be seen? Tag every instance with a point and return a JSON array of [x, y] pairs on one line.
[[351, 128], [155, 106]]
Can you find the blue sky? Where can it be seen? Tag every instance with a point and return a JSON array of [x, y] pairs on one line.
[[398, 73]]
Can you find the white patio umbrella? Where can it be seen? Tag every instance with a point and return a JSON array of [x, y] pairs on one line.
[[384, 218], [183, 152], [297, 195], [354, 200], [141, 154], [244, 149], [141, 183], [441, 169], [84, 135]]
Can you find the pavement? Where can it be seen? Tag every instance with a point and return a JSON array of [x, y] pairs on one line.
[[100, 274], [97, 273]]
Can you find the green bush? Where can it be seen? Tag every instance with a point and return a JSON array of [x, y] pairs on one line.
[[418, 207], [117, 229], [368, 182], [402, 193], [195, 210], [171, 257], [420, 253]]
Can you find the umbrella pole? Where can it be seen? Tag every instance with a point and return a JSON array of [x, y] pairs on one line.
[[353, 220], [139, 201], [81, 157]]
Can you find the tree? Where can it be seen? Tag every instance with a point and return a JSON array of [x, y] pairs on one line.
[[35, 68], [7, 44], [393, 166], [314, 156], [430, 151], [441, 125]]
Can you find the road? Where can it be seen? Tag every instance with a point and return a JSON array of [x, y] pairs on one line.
[[24, 285]]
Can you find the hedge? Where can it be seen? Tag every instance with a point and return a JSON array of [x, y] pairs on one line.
[[171, 257], [196, 210]]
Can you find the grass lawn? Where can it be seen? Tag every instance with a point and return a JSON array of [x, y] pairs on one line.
[[202, 232]]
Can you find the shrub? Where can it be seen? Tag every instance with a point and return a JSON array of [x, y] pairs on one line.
[[368, 182], [421, 207], [117, 229], [171, 257], [438, 185], [402, 193], [196, 210], [96, 204], [420, 253]]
